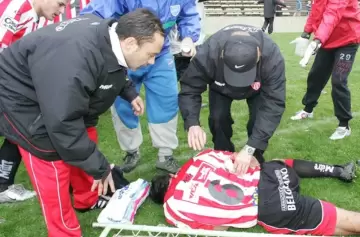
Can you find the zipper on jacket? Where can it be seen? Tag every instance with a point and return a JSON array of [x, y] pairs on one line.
[[35, 122]]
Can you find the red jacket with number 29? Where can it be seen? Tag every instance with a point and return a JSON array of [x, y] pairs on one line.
[[335, 23]]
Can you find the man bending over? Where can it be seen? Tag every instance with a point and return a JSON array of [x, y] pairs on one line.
[[207, 194]]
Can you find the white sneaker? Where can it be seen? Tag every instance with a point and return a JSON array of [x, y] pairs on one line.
[[16, 193], [302, 115], [340, 133]]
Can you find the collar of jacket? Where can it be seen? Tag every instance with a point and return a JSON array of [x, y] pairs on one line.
[[105, 45]]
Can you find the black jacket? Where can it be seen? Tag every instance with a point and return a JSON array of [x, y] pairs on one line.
[[270, 7], [54, 83], [205, 69]]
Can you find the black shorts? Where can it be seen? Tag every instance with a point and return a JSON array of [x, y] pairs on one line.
[[282, 210]]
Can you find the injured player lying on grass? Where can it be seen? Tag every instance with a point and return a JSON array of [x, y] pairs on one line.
[[207, 194]]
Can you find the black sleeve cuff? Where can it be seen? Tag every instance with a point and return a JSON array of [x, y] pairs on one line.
[[257, 144], [129, 92], [189, 123]]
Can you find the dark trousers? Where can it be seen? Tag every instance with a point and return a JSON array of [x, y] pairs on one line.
[[268, 21], [336, 63], [220, 121], [10, 160]]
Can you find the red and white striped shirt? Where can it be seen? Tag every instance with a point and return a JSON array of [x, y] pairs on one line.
[[17, 18], [204, 194], [72, 10]]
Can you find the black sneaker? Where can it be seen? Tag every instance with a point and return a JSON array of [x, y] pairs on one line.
[[130, 161], [348, 172], [170, 165], [100, 203]]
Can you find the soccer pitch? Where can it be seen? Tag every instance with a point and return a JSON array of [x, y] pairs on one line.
[[297, 139]]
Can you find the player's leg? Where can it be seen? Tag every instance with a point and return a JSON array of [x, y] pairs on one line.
[[220, 121], [310, 169], [126, 124], [271, 25], [317, 78], [344, 60], [51, 182], [10, 160], [265, 25], [320, 218], [161, 90], [347, 222], [84, 198], [282, 210]]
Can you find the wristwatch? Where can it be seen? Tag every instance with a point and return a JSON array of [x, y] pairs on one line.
[[249, 150]]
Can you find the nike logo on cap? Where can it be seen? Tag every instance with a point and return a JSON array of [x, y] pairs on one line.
[[237, 67]]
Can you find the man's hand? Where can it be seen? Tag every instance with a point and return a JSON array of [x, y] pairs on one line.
[[188, 47], [138, 106], [196, 138], [254, 162], [103, 184], [243, 159]]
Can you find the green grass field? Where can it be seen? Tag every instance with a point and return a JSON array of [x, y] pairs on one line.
[[304, 139]]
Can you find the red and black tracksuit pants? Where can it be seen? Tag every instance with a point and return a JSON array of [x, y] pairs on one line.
[[51, 181]]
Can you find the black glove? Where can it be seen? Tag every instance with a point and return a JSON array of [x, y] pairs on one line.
[[305, 35]]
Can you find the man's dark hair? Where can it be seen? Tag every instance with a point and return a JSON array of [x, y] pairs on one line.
[[141, 24], [159, 186]]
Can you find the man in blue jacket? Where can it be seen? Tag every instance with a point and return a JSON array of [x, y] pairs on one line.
[[160, 80]]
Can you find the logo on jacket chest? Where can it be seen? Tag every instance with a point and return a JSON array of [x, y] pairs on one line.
[[106, 87], [175, 10]]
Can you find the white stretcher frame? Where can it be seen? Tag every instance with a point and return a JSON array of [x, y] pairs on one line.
[[164, 231]]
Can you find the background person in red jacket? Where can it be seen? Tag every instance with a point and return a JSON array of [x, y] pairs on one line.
[[335, 25]]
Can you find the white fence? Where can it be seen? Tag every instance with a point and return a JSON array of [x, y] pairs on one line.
[[281, 24]]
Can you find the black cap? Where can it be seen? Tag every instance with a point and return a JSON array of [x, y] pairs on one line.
[[240, 55]]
